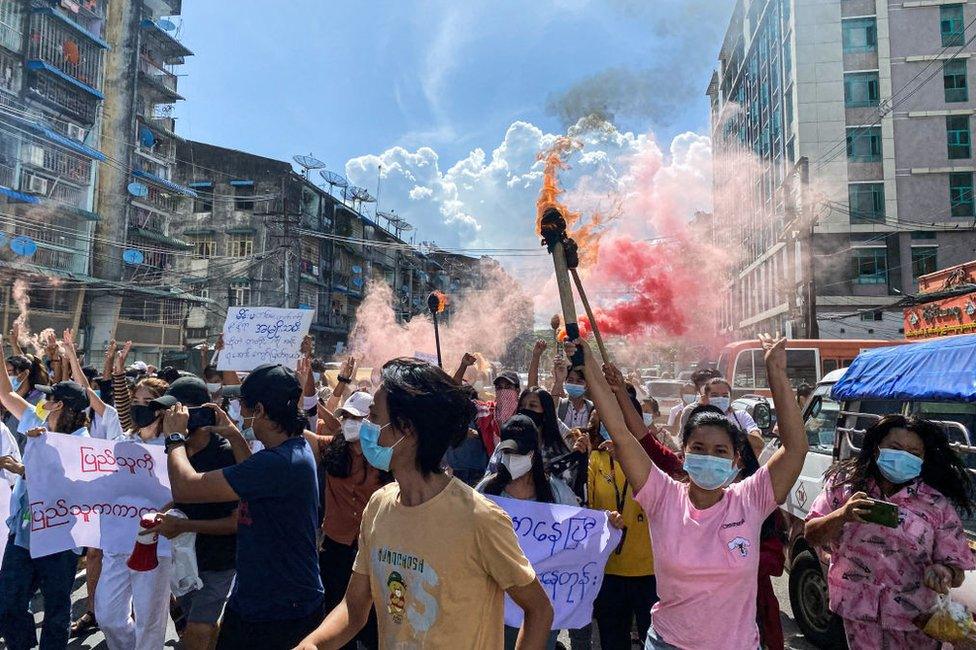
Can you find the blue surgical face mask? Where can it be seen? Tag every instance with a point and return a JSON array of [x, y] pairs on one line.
[[375, 454], [575, 391], [721, 403], [899, 466], [709, 472], [604, 433], [248, 432], [15, 383]]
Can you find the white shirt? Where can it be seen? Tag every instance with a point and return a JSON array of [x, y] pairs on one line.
[[8, 447], [577, 419]]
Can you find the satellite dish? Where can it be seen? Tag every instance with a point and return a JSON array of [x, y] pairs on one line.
[[133, 256], [357, 269], [389, 216], [165, 24], [308, 162], [23, 245], [138, 189], [334, 179], [357, 281], [404, 226], [367, 197]]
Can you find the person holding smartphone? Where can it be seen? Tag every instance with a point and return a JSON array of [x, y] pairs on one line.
[[894, 537]]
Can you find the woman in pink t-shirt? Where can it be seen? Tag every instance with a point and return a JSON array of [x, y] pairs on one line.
[[881, 578], [706, 532]]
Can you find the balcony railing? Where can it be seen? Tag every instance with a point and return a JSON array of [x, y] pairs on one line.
[[163, 77], [66, 166], [51, 41], [58, 93]]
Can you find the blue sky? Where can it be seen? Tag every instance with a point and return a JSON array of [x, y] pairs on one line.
[[345, 79]]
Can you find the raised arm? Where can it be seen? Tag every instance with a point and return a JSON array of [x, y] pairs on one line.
[[346, 373], [633, 459], [615, 380], [16, 331], [786, 463], [8, 396], [59, 372], [120, 389], [227, 377], [109, 361], [560, 368], [71, 354], [467, 361], [537, 350]]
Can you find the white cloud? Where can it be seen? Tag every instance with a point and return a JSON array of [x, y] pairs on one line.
[[487, 200]]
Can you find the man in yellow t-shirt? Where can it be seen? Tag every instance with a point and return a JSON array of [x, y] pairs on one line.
[[629, 589], [435, 558]]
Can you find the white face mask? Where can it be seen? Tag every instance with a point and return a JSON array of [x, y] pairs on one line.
[[518, 464], [689, 398], [213, 387], [316, 376], [648, 419], [722, 403], [350, 429]]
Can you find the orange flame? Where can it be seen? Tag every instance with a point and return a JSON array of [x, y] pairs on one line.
[[587, 236], [561, 334], [441, 302]]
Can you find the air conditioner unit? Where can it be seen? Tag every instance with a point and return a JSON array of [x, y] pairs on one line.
[[37, 155], [37, 185], [76, 132]]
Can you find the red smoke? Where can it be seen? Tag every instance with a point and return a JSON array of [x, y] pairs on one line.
[[643, 273]]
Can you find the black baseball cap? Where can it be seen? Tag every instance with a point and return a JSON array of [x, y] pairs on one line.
[[511, 377], [189, 391], [520, 435], [69, 393], [267, 383]]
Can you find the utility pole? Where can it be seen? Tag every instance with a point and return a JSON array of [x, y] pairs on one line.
[[806, 222]]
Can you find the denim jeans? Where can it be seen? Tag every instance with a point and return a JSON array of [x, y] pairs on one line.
[[19, 575]]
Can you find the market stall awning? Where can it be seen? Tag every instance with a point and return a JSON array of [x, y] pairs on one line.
[[937, 370]]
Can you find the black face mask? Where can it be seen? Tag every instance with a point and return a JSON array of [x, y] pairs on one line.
[[143, 415], [532, 415]]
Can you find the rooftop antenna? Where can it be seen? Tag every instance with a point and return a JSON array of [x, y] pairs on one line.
[[334, 180], [308, 162]]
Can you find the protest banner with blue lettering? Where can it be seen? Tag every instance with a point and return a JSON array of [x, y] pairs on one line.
[[568, 548], [254, 336], [88, 492]]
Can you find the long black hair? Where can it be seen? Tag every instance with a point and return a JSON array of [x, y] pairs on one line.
[[549, 433], [942, 468], [496, 483], [427, 398]]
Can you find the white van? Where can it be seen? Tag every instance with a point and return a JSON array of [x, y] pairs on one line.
[[933, 380]]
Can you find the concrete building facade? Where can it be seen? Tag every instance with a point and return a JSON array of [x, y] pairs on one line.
[[843, 160]]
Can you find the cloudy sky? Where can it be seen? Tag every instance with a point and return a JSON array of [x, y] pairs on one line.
[[455, 99]]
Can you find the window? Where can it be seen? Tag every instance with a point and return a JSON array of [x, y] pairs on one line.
[[202, 204], [864, 144], [801, 366], [204, 246], [867, 202], [961, 194], [239, 294], [870, 266], [957, 134], [860, 35], [872, 316], [924, 260], [202, 292], [954, 77], [861, 89], [240, 247], [244, 198], [953, 25]]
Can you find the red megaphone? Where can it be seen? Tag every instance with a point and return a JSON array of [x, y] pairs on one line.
[[143, 556]]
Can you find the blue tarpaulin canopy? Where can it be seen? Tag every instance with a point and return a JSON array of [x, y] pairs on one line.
[[938, 370]]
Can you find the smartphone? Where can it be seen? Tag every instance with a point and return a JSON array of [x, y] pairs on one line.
[[882, 513], [201, 416]]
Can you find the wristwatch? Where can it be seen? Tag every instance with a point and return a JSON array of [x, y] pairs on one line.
[[174, 440], [343, 380]]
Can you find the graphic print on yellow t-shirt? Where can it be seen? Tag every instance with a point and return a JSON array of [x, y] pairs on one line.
[[404, 588]]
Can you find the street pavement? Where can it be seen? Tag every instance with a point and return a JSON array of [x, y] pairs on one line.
[[794, 640]]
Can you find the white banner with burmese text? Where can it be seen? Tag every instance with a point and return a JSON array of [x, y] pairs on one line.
[[87, 492], [568, 548]]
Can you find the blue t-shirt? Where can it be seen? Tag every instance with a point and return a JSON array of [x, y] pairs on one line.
[[277, 561]]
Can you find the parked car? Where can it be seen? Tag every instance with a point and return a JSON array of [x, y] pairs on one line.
[[667, 392], [931, 379]]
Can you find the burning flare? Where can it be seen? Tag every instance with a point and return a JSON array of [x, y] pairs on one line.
[[437, 302], [587, 236]]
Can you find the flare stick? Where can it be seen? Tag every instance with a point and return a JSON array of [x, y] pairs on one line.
[[589, 314]]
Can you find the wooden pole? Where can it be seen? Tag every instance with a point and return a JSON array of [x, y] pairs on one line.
[[589, 314]]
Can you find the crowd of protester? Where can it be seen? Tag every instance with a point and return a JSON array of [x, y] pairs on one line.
[[313, 496]]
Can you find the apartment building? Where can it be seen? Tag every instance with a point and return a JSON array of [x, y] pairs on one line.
[[843, 160]]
